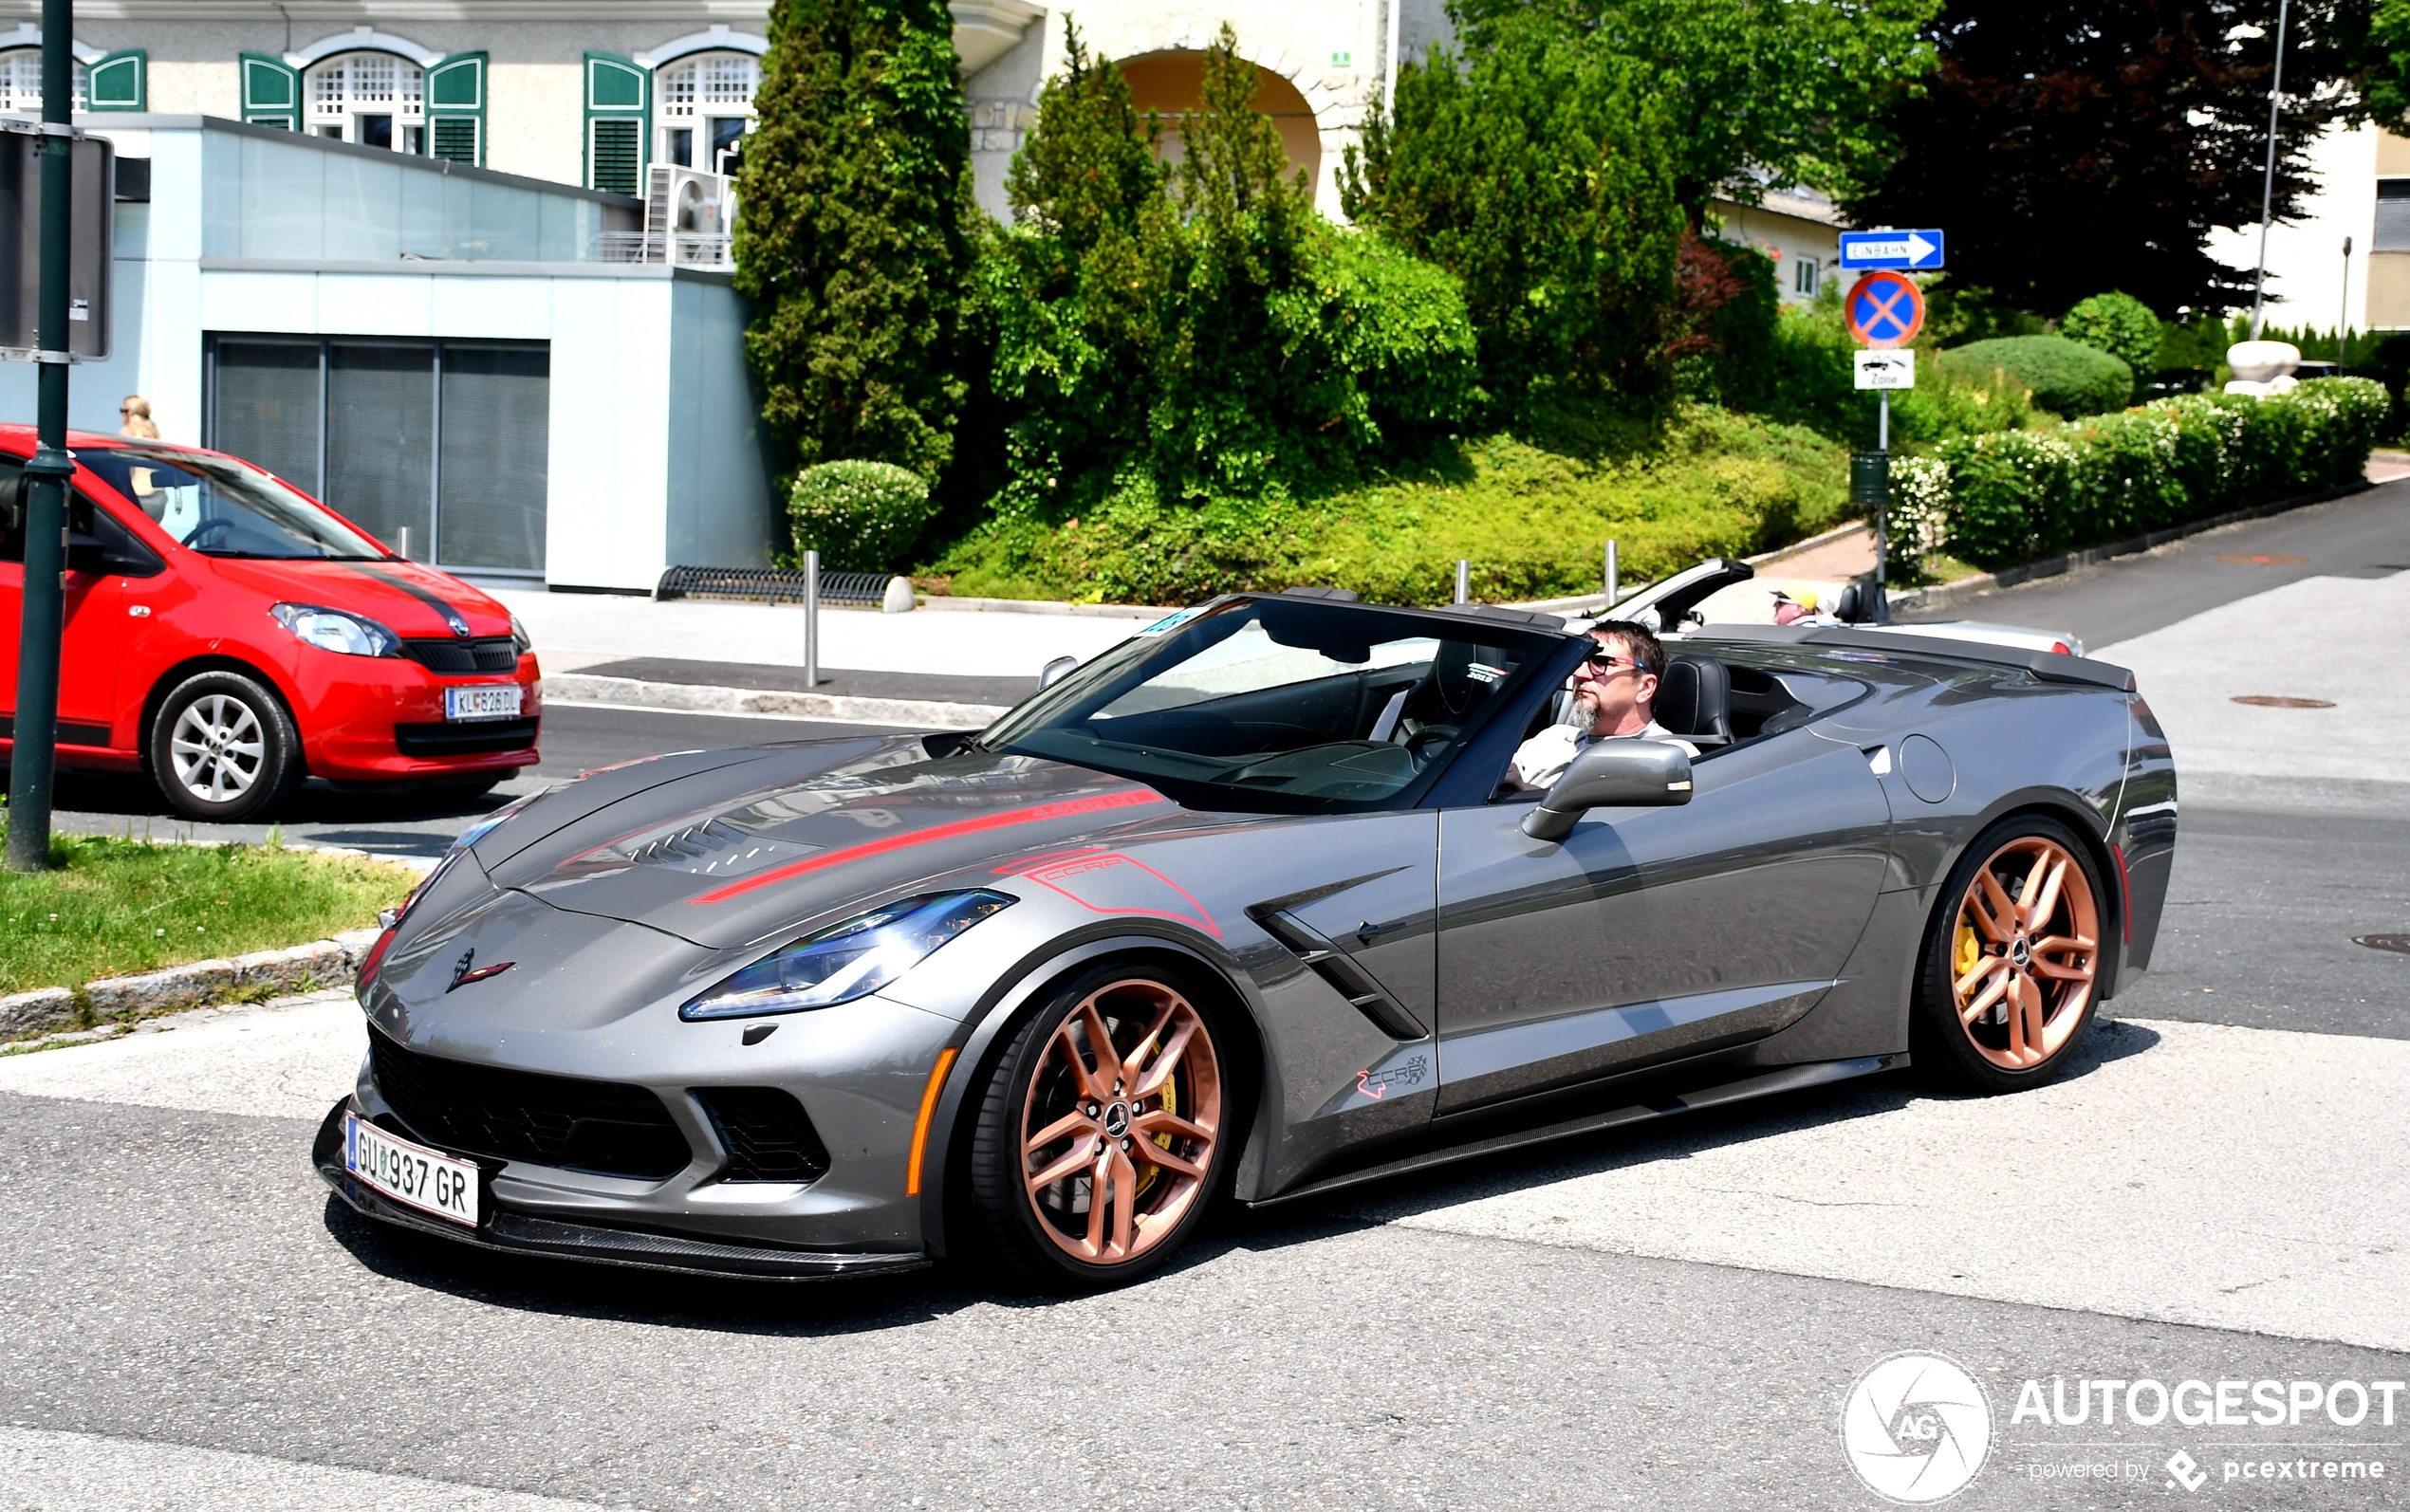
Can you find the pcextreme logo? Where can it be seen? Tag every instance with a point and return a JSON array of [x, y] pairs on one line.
[[1916, 1428]]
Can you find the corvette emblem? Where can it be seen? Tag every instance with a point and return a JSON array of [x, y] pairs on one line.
[[462, 972]]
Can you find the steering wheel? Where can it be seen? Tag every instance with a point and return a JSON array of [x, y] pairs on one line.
[[193, 538]]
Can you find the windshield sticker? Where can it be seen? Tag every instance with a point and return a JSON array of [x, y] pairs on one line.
[[1481, 672], [1171, 622]]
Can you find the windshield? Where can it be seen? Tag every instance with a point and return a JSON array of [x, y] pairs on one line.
[[1279, 705], [221, 507]]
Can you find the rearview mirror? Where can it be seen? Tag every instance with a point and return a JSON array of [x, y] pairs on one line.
[[1055, 671], [1629, 773]]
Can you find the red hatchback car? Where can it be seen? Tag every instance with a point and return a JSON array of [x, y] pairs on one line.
[[229, 635]]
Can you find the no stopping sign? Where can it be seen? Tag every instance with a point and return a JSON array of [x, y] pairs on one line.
[[1885, 310]]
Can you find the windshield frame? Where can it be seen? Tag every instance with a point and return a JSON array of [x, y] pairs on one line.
[[1184, 634], [242, 486]]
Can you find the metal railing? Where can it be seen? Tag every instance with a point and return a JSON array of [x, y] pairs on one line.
[[683, 249]]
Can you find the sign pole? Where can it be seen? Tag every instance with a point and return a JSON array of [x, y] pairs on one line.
[[1882, 506], [35, 733]]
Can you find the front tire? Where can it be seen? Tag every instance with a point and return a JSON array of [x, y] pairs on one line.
[[223, 749], [2009, 979], [1104, 1130]]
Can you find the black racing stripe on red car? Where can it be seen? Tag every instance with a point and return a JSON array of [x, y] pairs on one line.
[[458, 622]]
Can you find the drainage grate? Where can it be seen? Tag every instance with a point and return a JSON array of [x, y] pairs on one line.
[[2398, 944]]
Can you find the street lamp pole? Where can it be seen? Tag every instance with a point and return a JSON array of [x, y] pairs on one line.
[[2342, 316], [35, 731], [2267, 185]]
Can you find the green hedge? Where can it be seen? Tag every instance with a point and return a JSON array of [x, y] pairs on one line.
[[2012, 496], [860, 516], [2067, 378]]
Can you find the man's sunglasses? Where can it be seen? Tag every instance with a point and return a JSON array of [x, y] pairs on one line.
[[1610, 663]]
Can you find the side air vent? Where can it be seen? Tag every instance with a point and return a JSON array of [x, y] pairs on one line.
[[1334, 966], [766, 1133]]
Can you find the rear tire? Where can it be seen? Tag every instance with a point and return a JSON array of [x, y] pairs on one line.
[[1152, 1124], [2009, 982], [223, 749]]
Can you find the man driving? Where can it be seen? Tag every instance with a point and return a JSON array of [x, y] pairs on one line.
[[1612, 698]]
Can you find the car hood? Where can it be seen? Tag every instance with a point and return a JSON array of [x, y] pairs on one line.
[[408, 599], [727, 848]]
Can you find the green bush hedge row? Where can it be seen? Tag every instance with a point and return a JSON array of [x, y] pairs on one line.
[[2014, 495]]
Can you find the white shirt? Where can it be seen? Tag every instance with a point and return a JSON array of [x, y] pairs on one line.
[[1540, 761]]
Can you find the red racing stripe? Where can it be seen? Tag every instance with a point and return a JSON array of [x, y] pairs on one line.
[[1035, 814]]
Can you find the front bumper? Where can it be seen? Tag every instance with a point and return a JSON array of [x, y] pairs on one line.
[[528, 1234]]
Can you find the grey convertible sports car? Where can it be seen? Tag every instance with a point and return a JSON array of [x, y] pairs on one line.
[[1244, 906]]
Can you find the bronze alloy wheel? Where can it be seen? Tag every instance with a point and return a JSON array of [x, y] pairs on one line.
[[2013, 971], [1119, 1125], [1100, 1143]]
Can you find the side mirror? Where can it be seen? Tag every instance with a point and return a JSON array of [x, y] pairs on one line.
[[88, 556], [1055, 671], [1612, 774]]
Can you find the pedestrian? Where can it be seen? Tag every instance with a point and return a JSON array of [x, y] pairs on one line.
[[1804, 609], [134, 417]]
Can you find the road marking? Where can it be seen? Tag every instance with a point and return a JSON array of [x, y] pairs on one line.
[[2188, 1172], [60, 1471]]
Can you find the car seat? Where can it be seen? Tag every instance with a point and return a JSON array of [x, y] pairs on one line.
[[1694, 700]]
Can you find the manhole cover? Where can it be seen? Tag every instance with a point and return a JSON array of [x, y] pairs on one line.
[[2399, 944], [2279, 701], [2241, 560]]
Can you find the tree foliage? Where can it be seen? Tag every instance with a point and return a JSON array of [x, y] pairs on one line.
[[1538, 172], [855, 242], [1197, 330], [2121, 326], [2136, 127], [1753, 91]]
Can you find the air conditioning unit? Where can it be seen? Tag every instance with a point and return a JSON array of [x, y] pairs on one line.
[[687, 216]]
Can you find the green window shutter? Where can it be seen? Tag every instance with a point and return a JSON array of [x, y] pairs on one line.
[[457, 109], [271, 91], [618, 99], [118, 81]]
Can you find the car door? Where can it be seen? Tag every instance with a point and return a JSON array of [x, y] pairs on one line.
[[1651, 933], [89, 629]]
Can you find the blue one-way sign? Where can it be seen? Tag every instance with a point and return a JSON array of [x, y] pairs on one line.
[[1891, 249]]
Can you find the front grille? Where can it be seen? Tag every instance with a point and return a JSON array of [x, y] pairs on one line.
[[473, 738], [595, 1126], [456, 659], [767, 1134]]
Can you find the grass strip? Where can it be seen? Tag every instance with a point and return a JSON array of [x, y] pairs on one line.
[[114, 907]]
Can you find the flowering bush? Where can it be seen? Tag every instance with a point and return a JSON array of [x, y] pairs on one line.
[[2016, 495], [860, 516]]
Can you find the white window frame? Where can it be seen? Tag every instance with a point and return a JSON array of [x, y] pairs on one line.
[[1805, 276], [339, 91], [23, 66], [683, 101]]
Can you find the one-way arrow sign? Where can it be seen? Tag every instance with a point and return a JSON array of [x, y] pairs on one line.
[[1891, 249]]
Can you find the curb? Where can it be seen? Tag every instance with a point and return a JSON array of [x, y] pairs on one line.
[[1042, 606], [1948, 593], [328, 963], [579, 687]]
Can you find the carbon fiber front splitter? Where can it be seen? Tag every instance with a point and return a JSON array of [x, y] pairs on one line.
[[528, 1234]]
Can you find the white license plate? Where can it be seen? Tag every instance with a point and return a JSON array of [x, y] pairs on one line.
[[482, 703], [409, 1173]]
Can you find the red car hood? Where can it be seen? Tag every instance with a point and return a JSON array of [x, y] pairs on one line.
[[410, 600]]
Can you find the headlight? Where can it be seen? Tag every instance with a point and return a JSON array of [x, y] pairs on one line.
[[333, 630], [520, 640], [848, 960]]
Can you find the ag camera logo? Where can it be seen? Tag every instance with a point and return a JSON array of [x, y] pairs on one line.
[[1916, 1428]]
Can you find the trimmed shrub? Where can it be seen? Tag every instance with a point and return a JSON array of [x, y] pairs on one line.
[[860, 516], [2016, 497], [2121, 326], [2066, 378], [1809, 381]]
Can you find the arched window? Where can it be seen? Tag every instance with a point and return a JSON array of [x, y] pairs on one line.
[[373, 98], [21, 83], [704, 106]]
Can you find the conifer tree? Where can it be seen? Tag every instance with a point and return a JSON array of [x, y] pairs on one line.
[[853, 236]]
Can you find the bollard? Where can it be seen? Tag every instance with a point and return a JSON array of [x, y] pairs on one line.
[[1610, 575], [1464, 579], [401, 541], [811, 619]]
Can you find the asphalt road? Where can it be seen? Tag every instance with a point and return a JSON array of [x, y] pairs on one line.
[[1666, 1317]]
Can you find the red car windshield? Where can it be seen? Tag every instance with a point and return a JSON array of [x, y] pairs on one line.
[[222, 508]]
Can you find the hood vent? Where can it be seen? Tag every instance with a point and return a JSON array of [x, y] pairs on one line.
[[1334, 966], [716, 848]]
